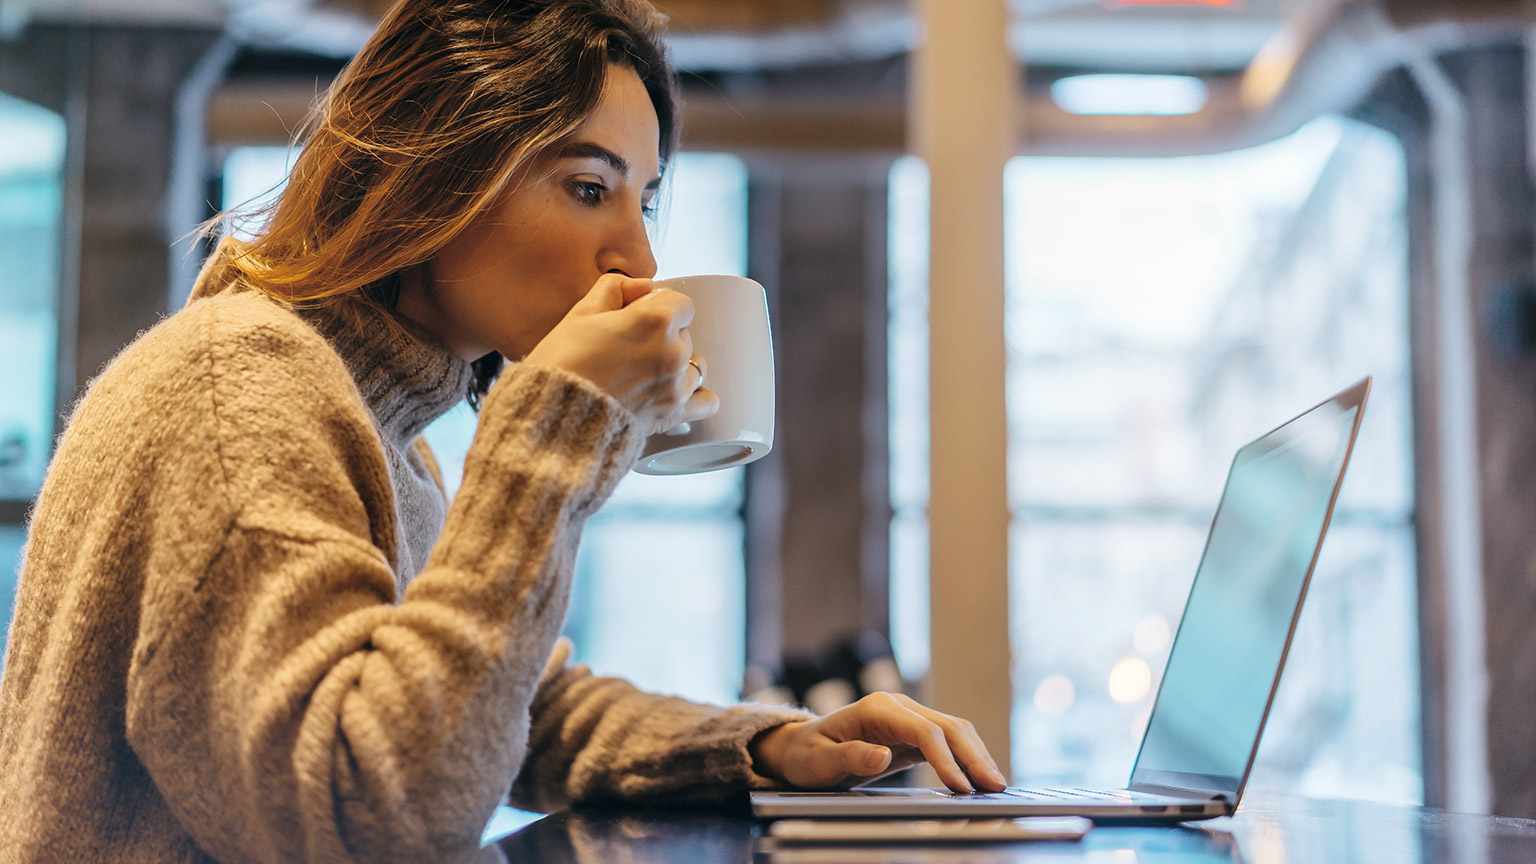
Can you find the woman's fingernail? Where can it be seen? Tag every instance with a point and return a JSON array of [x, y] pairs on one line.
[[998, 776]]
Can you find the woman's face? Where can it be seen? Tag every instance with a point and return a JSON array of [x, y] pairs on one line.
[[575, 212]]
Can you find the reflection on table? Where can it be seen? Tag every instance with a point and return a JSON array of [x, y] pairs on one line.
[[1268, 829]]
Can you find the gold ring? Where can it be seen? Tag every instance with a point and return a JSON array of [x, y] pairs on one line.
[[695, 364]]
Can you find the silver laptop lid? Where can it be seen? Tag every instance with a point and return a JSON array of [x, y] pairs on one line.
[[1225, 665]]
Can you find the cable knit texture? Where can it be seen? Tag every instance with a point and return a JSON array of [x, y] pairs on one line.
[[249, 628]]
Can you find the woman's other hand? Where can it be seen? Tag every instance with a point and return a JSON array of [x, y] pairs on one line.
[[632, 341], [881, 733]]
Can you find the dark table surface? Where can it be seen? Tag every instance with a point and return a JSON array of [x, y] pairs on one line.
[[1268, 829]]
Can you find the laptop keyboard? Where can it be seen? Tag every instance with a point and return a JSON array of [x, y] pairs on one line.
[[1051, 794]]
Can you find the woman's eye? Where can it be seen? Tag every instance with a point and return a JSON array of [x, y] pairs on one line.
[[588, 193]]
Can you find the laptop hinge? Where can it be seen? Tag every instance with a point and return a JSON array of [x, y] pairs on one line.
[[1181, 792]]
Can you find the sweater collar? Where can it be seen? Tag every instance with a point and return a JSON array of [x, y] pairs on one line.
[[406, 379]]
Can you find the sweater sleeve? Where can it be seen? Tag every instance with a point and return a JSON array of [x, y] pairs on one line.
[[287, 704], [600, 739]]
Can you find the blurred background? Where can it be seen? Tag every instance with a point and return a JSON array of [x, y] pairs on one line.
[[1036, 268]]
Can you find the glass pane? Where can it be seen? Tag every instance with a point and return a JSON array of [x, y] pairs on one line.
[[907, 385], [11, 539], [31, 204], [1162, 312], [253, 176], [1066, 724], [660, 602]]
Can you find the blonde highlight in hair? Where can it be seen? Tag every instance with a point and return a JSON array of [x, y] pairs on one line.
[[423, 131]]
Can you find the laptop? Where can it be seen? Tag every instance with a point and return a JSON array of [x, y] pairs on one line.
[[1225, 665]]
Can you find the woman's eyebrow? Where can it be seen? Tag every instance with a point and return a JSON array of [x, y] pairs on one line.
[[588, 150]]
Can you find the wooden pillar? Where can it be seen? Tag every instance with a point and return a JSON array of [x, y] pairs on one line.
[[965, 85]]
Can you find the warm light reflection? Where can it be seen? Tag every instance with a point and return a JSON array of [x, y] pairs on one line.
[[1270, 70], [1055, 695], [1130, 680]]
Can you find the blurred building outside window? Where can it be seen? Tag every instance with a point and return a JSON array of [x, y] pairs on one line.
[[660, 578], [31, 214], [1160, 313]]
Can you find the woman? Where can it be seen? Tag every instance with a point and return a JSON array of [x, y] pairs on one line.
[[250, 628]]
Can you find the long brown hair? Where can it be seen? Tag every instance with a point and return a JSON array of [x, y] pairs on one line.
[[422, 131]]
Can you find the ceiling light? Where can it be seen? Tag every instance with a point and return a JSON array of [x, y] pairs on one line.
[[1129, 94], [1229, 4]]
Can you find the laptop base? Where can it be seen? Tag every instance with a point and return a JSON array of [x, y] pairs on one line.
[[1103, 806]]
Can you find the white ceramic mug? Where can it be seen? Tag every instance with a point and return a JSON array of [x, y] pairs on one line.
[[730, 331]]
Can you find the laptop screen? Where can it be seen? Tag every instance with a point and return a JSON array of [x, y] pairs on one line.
[[1221, 673]]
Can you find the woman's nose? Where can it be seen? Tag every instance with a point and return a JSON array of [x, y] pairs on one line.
[[630, 251]]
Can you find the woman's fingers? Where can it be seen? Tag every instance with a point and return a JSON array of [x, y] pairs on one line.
[[679, 306], [880, 733], [963, 742], [892, 721], [863, 759], [701, 403], [930, 739], [632, 341]]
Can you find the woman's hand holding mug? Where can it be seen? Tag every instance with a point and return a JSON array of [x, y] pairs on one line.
[[632, 341]]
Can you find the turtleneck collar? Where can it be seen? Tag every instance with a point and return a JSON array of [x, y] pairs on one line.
[[406, 379]]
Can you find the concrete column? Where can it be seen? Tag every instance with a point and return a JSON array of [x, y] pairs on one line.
[[129, 80], [819, 506], [1472, 208], [1503, 216], [965, 84], [124, 94]]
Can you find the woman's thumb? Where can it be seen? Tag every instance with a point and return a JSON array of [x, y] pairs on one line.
[[863, 758], [611, 292]]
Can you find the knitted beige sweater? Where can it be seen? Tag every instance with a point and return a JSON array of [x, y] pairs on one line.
[[249, 628]]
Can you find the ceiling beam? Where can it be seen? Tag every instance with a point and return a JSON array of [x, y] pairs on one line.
[[747, 16], [685, 16]]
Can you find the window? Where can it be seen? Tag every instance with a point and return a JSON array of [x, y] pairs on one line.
[[253, 176], [31, 208], [660, 578], [907, 387], [1162, 312]]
